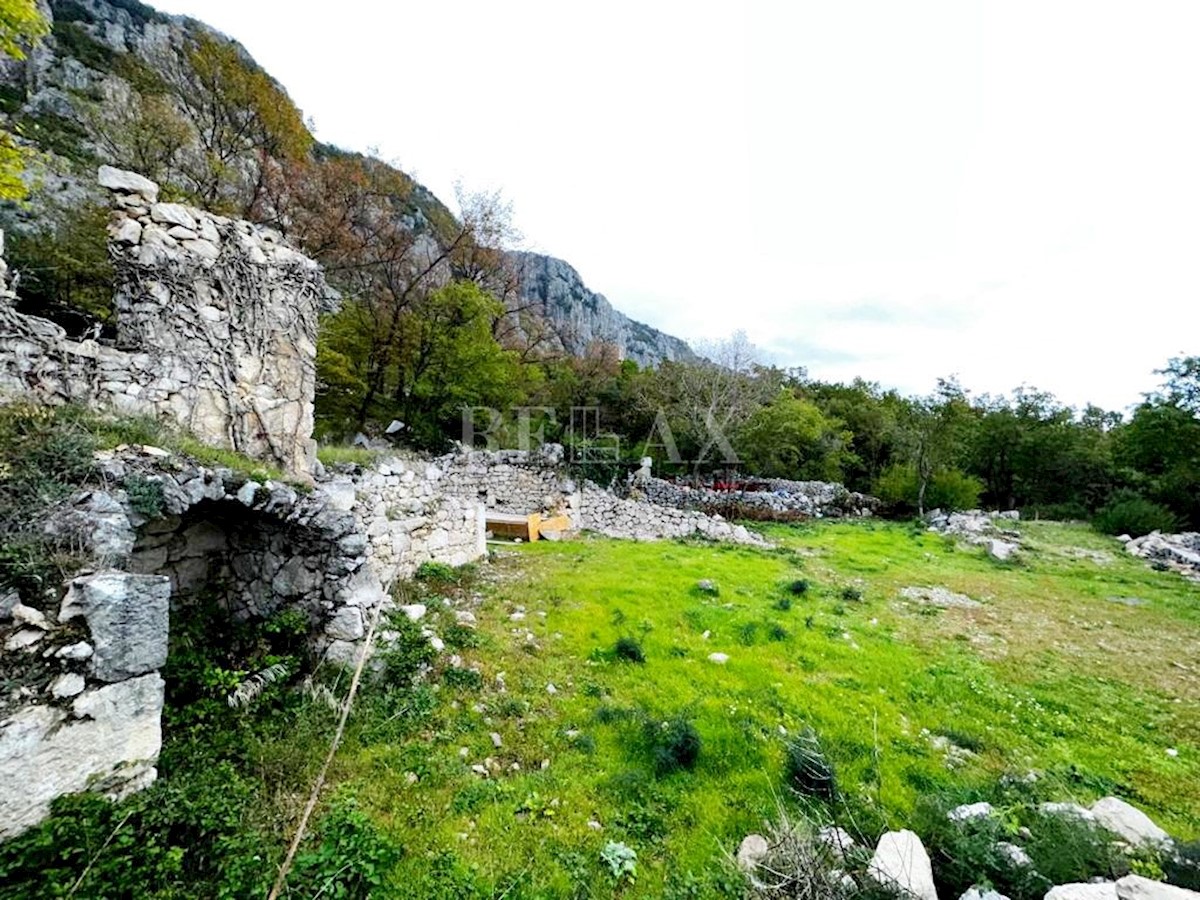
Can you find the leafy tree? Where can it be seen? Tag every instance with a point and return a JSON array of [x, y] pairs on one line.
[[243, 121], [870, 416], [144, 133], [704, 404], [791, 438], [1181, 386], [21, 26], [64, 266], [930, 434]]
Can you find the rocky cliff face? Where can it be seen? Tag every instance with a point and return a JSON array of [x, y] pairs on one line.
[[580, 317], [80, 84]]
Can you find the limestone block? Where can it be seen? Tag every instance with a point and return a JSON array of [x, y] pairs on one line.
[[127, 617], [127, 182], [110, 742]]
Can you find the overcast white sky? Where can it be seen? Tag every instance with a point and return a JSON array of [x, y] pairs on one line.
[[1008, 190]]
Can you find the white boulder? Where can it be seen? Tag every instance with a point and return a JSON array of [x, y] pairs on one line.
[[127, 182], [901, 862], [1128, 822], [1103, 890], [1135, 887]]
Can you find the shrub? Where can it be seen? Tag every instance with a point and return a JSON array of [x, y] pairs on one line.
[[1183, 867], [676, 746], [409, 653], [799, 587], [800, 865], [629, 650], [949, 489], [1132, 514], [1067, 849], [145, 496], [783, 604], [807, 770], [437, 572], [852, 594], [352, 857], [777, 632]]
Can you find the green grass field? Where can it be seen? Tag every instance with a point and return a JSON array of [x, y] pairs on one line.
[[1079, 664]]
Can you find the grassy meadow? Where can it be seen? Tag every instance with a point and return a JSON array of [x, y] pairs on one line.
[[1079, 665], [562, 722]]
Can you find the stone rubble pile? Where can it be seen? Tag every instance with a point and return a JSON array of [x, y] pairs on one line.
[[979, 528], [813, 499], [523, 482], [1177, 552], [900, 862]]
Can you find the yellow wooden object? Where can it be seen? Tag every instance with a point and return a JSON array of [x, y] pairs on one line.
[[526, 527]]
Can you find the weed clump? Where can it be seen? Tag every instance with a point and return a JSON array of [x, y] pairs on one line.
[[852, 594], [629, 650], [783, 604], [676, 746], [807, 770], [799, 587], [437, 572]]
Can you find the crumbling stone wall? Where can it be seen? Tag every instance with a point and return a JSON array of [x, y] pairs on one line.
[[512, 481], [216, 329], [816, 499], [522, 482]]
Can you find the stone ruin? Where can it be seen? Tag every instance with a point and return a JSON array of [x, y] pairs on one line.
[[216, 326]]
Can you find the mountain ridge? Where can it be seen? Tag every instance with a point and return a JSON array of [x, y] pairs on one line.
[[101, 51]]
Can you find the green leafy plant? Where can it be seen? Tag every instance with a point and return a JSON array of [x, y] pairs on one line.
[[621, 861], [352, 857]]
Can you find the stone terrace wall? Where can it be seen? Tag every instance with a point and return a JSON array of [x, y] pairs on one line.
[[216, 329]]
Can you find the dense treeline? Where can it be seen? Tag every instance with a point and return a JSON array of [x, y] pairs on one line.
[[430, 323]]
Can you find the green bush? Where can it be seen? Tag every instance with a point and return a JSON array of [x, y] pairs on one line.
[[351, 857], [145, 496], [799, 586], [629, 650], [409, 653], [436, 572], [1132, 514], [949, 489]]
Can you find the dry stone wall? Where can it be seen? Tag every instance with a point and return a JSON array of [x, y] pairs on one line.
[[815, 499], [517, 481], [216, 329], [86, 714]]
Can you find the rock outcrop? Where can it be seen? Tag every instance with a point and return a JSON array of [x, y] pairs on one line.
[[1176, 552], [580, 317]]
